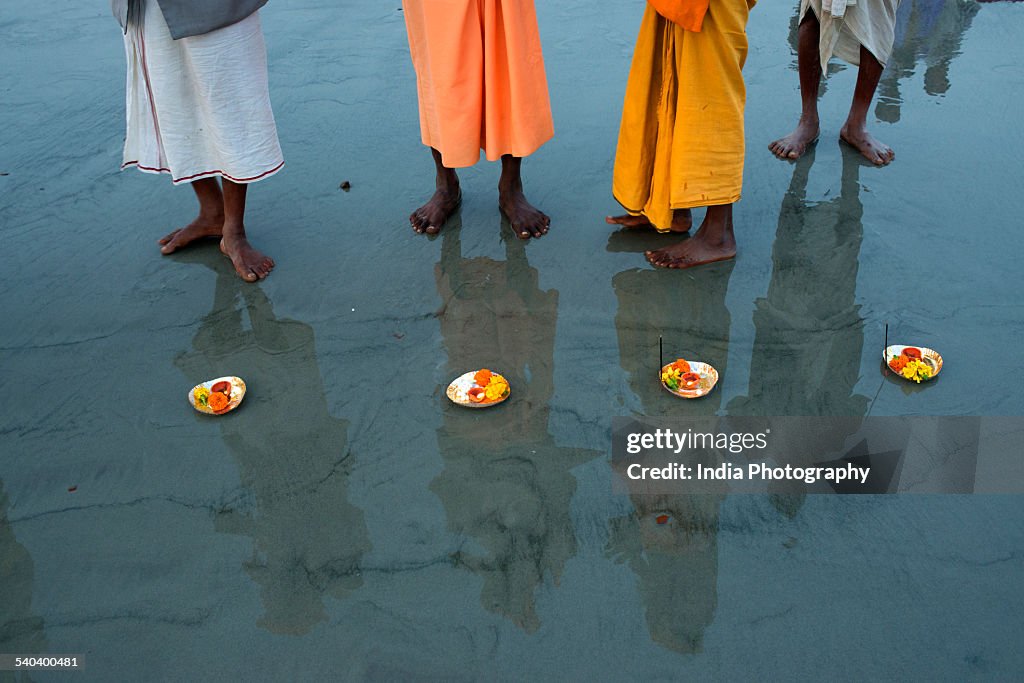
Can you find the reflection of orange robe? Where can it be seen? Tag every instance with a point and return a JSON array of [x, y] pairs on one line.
[[681, 138], [480, 77]]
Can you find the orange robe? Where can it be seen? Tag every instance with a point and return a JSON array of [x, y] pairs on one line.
[[480, 78], [681, 139]]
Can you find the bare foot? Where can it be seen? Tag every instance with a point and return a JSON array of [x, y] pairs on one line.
[[250, 264], [682, 221], [200, 228], [875, 151], [796, 143], [714, 241], [431, 217], [527, 221], [690, 253]]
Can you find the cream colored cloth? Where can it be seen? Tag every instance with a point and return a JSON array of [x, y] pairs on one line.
[[848, 24], [837, 8], [199, 107]]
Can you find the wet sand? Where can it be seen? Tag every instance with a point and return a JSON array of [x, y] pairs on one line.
[[348, 521]]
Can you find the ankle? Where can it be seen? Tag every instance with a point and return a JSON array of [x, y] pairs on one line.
[[233, 230], [211, 216], [513, 186], [447, 181], [855, 124]]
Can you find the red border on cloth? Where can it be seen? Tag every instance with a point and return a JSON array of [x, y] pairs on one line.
[[197, 176]]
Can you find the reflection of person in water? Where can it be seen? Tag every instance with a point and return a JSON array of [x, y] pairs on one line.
[[505, 483], [21, 632], [292, 457], [691, 317], [809, 333], [676, 562], [930, 31]]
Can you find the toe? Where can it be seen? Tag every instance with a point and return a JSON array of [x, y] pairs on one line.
[[170, 247]]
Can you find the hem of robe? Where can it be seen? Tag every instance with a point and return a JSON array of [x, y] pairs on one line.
[[725, 201], [205, 174], [450, 161]]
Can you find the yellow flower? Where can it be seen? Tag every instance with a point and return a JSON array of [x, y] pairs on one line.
[[201, 396], [916, 370], [496, 388]]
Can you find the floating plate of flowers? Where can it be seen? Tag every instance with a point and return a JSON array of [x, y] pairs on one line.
[[688, 379], [914, 363], [217, 396], [479, 389]]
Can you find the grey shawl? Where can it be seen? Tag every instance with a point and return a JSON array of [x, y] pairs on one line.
[[191, 17]]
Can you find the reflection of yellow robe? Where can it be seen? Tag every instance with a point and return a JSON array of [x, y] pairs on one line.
[[681, 137]]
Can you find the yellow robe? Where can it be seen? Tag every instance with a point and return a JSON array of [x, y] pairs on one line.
[[681, 138]]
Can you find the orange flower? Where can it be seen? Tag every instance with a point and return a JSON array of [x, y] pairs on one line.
[[482, 377], [217, 401], [898, 363], [681, 365]]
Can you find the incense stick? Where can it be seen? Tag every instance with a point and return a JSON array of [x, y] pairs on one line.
[[661, 354], [885, 349]]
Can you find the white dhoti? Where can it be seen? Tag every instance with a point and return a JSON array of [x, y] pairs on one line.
[[199, 107], [846, 25]]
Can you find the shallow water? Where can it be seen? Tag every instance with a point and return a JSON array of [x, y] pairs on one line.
[[349, 520]]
